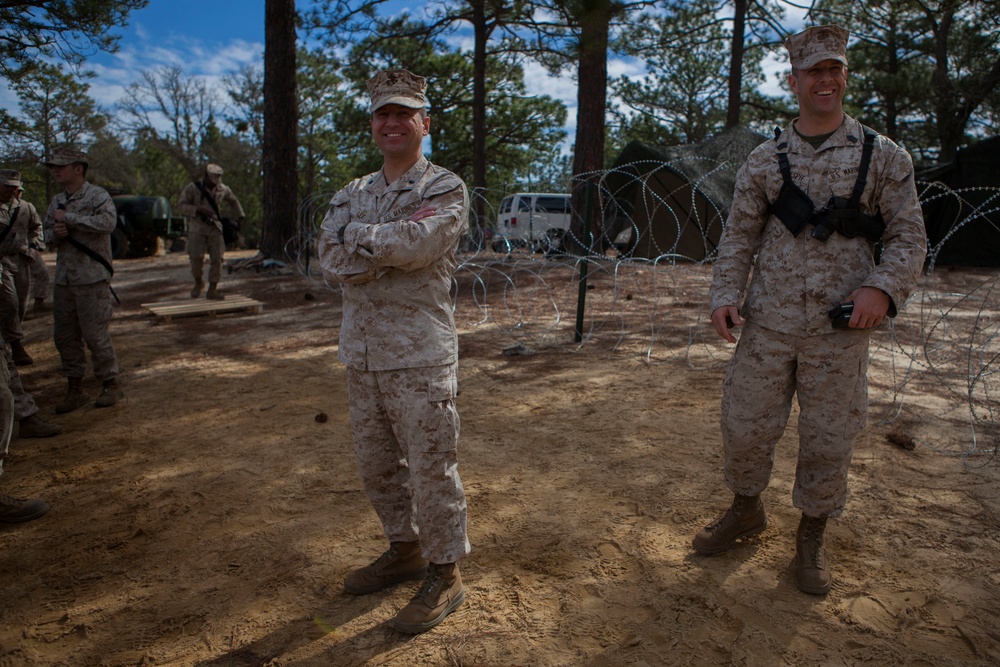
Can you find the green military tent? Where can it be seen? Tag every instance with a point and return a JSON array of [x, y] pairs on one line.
[[672, 202], [961, 203]]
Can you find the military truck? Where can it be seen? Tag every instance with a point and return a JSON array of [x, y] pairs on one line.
[[142, 222]]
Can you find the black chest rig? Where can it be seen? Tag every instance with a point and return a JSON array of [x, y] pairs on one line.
[[795, 209]]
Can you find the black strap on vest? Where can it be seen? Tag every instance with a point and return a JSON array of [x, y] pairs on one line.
[[10, 227], [866, 162], [94, 255], [210, 198], [795, 209]]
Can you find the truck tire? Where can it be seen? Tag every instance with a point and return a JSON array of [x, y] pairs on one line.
[[555, 242], [119, 244], [503, 245]]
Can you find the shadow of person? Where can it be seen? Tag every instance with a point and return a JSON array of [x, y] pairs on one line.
[[322, 627]]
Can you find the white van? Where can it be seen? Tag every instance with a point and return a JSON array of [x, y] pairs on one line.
[[535, 220]]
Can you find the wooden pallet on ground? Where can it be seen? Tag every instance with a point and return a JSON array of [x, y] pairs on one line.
[[167, 310]]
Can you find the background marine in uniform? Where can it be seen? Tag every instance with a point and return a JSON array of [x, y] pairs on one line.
[[79, 221], [202, 203]]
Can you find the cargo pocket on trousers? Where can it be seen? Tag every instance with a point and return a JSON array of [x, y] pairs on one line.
[[441, 421], [443, 387]]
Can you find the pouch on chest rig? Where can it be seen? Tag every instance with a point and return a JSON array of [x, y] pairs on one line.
[[795, 209]]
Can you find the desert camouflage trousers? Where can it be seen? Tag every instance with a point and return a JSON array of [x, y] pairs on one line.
[[24, 403], [32, 279], [80, 315], [202, 238], [32, 276], [15, 402], [828, 374], [10, 315], [405, 428]]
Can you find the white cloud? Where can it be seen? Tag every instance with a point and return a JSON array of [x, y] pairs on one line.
[[776, 71], [563, 87], [538, 81], [195, 58], [630, 67]]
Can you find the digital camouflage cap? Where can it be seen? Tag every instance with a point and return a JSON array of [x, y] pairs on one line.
[[213, 169], [65, 156], [397, 86], [816, 44], [10, 177]]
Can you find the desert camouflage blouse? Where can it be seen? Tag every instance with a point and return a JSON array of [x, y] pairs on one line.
[[796, 280], [396, 274], [91, 217]]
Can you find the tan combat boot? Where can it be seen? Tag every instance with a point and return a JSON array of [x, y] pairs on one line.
[[111, 393], [745, 517], [213, 292], [812, 571], [401, 562], [196, 290], [75, 396], [19, 510], [441, 593]]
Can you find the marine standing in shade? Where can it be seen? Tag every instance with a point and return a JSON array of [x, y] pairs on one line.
[[23, 237], [32, 273], [807, 211], [15, 223], [79, 221], [390, 240], [201, 203]]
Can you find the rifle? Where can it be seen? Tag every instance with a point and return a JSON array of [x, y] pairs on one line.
[[230, 228]]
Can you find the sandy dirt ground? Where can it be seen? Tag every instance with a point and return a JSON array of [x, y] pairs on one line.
[[210, 517]]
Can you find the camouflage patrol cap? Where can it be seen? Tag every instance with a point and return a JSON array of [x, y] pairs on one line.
[[213, 169], [397, 86], [65, 156], [10, 177], [816, 44]]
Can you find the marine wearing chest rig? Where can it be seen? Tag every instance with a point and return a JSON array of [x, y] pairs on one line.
[[795, 209], [777, 289]]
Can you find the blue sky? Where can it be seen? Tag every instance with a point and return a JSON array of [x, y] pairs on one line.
[[204, 20], [212, 38], [209, 38]]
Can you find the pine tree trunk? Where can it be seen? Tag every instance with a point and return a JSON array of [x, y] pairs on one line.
[[479, 120], [736, 64], [279, 231], [588, 156]]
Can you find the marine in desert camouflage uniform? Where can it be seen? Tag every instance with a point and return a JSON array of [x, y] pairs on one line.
[[32, 279], [24, 408], [25, 235], [83, 213], [789, 345], [390, 240], [205, 228]]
